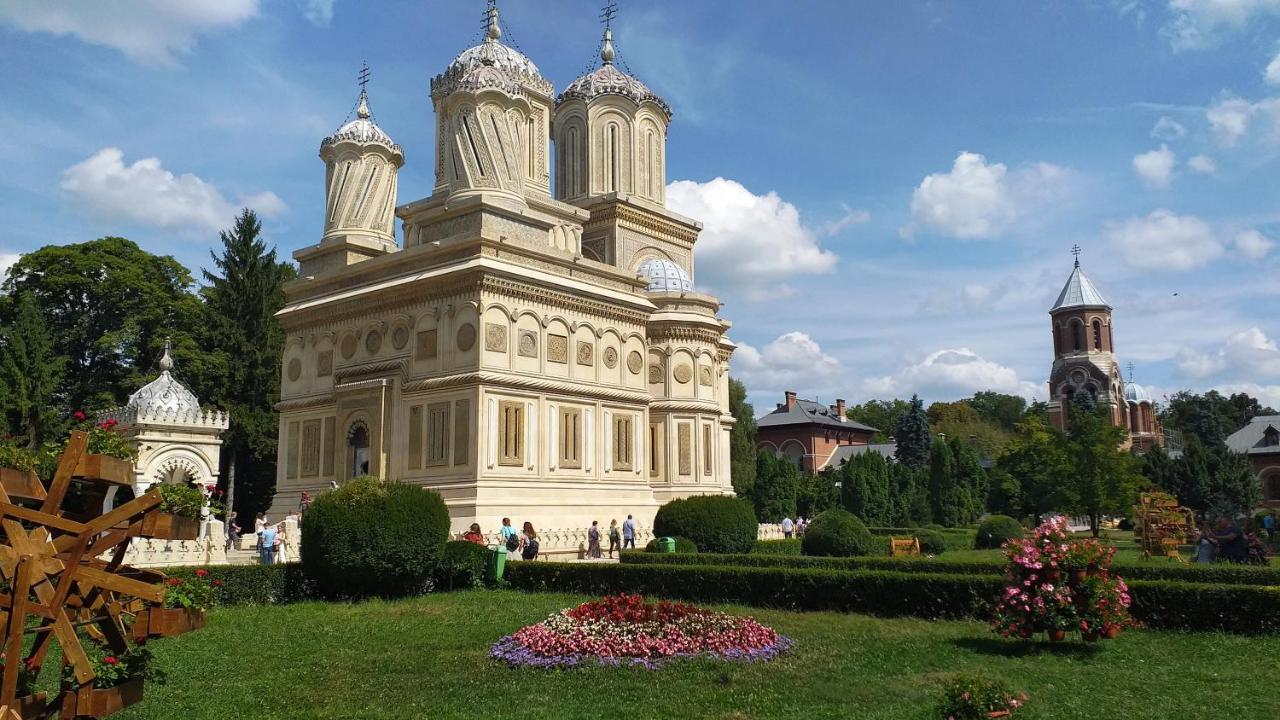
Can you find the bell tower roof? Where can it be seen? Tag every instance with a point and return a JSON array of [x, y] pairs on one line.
[[1079, 292]]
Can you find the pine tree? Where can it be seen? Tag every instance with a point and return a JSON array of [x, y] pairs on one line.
[[742, 440], [777, 483], [912, 436], [242, 299], [945, 499], [30, 373]]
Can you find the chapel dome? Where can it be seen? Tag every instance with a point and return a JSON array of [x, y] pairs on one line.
[[664, 276], [609, 80], [490, 64], [363, 129], [164, 395], [1135, 393]]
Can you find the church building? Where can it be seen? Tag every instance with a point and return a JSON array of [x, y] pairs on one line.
[[1085, 362], [533, 345]]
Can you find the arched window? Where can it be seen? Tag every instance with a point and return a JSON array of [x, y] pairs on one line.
[[1077, 335], [533, 153], [650, 163], [611, 158], [1097, 334], [1272, 486], [358, 450], [571, 165]]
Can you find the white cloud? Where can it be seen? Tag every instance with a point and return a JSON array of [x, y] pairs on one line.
[[1272, 74], [1203, 164], [146, 193], [1252, 244], [1200, 24], [1164, 241], [948, 374], [1246, 356], [850, 218], [6, 261], [318, 12], [747, 240], [1155, 167], [970, 297], [1229, 118], [1268, 395], [1166, 128], [793, 361], [150, 31], [980, 200]]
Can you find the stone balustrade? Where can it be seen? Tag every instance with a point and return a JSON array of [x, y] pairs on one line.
[[128, 416], [150, 553]]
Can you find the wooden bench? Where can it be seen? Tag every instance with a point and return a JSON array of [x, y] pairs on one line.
[[899, 547]]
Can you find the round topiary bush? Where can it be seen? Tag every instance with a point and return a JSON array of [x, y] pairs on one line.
[[373, 539], [931, 542], [837, 533], [463, 565], [715, 523], [683, 545], [995, 531]]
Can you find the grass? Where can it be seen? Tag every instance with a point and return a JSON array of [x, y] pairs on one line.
[[426, 657]]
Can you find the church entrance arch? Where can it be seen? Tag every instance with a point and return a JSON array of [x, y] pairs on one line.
[[357, 449]]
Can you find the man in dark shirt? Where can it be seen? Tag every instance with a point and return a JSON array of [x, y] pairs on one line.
[[1231, 543]]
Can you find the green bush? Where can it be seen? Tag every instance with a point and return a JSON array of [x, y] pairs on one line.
[[777, 547], [373, 539], [931, 542], [683, 545], [955, 538], [463, 564], [1157, 604], [275, 584], [837, 533], [715, 523], [995, 531]]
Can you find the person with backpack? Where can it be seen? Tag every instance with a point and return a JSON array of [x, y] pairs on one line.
[[529, 541], [615, 538], [510, 539]]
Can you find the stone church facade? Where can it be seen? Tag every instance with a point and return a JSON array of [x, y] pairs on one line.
[[530, 349]]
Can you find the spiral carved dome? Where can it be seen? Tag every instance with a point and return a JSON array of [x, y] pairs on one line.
[[490, 64], [363, 129], [609, 80], [664, 276], [164, 395]]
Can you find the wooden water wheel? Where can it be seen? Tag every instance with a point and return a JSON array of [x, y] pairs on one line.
[[61, 559]]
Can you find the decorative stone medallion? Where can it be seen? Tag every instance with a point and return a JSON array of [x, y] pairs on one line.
[[495, 337], [295, 369], [704, 376], [466, 337], [683, 373], [635, 363], [610, 357], [527, 345], [586, 353], [655, 373], [399, 337], [373, 342], [324, 364], [348, 346], [427, 348], [558, 348]]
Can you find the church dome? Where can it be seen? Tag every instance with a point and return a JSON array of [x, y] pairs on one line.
[[609, 80], [1135, 393], [664, 276], [363, 129], [490, 64], [164, 395]]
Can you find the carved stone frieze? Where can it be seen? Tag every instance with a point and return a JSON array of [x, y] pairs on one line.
[[586, 353], [528, 344], [558, 348], [635, 362], [495, 337], [610, 358]]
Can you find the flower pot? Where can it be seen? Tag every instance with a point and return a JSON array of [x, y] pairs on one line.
[[31, 706], [1091, 636], [167, 526], [91, 702], [1110, 632], [1057, 635], [158, 622]]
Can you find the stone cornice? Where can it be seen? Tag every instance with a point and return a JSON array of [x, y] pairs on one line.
[[304, 403], [684, 406], [528, 292], [523, 382], [619, 210]]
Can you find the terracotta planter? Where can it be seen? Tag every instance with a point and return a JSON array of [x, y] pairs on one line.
[[105, 467], [31, 706], [1057, 635], [1110, 632], [160, 622], [101, 702], [167, 526]]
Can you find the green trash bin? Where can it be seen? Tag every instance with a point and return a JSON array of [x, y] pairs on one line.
[[497, 562], [667, 544]]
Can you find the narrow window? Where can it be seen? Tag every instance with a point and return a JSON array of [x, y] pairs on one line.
[[622, 442], [326, 455], [655, 450], [533, 155], [1097, 335], [650, 163], [511, 433], [415, 437], [571, 166], [613, 159], [291, 442], [706, 450], [1077, 336], [311, 448], [570, 438], [438, 434], [461, 431]]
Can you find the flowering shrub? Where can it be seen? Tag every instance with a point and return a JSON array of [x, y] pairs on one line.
[[26, 675], [624, 628], [13, 456], [197, 593], [180, 499], [1038, 596], [111, 669], [968, 697], [1257, 550]]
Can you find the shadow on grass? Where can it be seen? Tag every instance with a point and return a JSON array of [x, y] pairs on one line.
[[1007, 647]]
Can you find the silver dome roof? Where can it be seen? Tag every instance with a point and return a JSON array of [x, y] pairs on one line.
[[1079, 292], [363, 129], [664, 276], [490, 64], [609, 80], [1135, 393], [164, 394]]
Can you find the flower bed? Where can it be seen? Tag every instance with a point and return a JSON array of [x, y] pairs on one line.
[[625, 630]]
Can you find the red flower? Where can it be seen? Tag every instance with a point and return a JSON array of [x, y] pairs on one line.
[[174, 581], [110, 660], [202, 573], [217, 583], [78, 415]]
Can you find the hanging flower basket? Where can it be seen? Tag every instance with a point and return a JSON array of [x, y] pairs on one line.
[[167, 526], [158, 622], [91, 702], [105, 467]]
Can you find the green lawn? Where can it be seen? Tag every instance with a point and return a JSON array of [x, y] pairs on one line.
[[426, 658]]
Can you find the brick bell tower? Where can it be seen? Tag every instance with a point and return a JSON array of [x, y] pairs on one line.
[[1084, 359]]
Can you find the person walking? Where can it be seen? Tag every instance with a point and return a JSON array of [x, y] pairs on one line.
[[788, 527], [473, 534], [1269, 524], [529, 541], [267, 542], [628, 533], [593, 540], [1206, 544], [1232, 546], [615, 537], [510, 539], [233, 531]]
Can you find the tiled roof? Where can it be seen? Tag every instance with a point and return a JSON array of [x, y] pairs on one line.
[[808, 412], [844, 453], [1248, 439]]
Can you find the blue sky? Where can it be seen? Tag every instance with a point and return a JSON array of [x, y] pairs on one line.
[[890, 190]]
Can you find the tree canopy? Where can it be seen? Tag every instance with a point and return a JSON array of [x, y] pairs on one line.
[[742, 440]]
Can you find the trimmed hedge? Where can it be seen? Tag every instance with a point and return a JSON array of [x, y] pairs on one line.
[[683, 545], [931, 542], [836, 533], [954, 538], [1157, 604], [369, 538], [253, 584], [1218, 574], [777, 547], [715, 523], [462, 565], [995, 531]]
